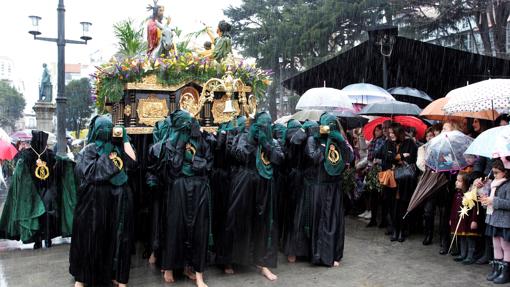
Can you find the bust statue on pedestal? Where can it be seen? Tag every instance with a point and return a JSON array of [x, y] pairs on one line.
[[45, 89]]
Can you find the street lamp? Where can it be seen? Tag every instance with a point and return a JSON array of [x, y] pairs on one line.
[[61, 43]]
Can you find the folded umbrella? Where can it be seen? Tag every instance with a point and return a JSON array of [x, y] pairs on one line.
[[491, 143], [446, 151], [430, 182]]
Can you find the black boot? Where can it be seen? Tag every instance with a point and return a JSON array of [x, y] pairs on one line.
[[47, 243], [428, 239], [401, 236], [443, 249], [463, 250], [471, 245], [487, 251], [504, 277], [372, 222], [496, 270], [394, 236]]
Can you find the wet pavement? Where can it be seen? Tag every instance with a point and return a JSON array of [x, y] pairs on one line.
[[370, 260]]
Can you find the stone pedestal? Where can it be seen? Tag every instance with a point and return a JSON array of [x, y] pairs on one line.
[[44, 113]]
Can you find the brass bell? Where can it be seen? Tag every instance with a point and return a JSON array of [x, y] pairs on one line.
[[228, 107]]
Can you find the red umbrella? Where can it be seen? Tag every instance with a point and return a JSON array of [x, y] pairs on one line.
[[7, 151], [407, 121]]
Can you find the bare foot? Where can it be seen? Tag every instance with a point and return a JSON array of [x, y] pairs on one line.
[[200, 280], [336, 263], [169, 276], [291, 259], [122, 285], [189, 273], [78, 284], [228, 270], [268, 274], [115, 282], [152, 258]]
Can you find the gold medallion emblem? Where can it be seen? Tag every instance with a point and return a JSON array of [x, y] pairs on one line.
[[264, 159], [191, 149], [117, 161], [333, 155], [41, 171]]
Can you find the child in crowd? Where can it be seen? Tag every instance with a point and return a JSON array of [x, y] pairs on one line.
[[467, 230], [498, 219]]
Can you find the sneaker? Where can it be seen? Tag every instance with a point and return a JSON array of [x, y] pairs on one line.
[[368, 215], [363, 214]]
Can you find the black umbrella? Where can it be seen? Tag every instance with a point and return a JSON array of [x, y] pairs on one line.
[[350, 120], [390, 108], [411, 95]]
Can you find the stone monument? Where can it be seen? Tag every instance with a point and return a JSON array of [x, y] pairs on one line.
[[44, 108]]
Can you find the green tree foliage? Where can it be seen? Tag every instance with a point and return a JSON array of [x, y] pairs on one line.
[[442, 18], [130, 39], [12, 104], [293, 35], [80, 104]]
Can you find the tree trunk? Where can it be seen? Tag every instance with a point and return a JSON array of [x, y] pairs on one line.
[[483, 28], [501, 13]]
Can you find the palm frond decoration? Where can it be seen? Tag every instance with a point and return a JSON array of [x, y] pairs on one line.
[[130, 39]]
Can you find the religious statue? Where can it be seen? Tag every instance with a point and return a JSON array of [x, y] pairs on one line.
[[222, 49], [160, 37], [45, 89]]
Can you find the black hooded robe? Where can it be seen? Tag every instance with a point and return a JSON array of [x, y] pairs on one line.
[[186, 207], [252, 216], [103, 221], [327, 206]]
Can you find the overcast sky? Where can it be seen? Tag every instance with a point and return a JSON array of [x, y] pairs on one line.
[[28, 55]]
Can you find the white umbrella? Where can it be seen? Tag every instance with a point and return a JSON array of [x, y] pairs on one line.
[[283, 120], [485, 95], [366, 94], [325, 99]]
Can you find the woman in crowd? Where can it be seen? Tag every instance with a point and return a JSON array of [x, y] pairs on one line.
[[103, 221], [372, 185], [403, 153], [498, 219]]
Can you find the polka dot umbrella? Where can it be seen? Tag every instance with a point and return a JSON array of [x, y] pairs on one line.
[[485, 95]]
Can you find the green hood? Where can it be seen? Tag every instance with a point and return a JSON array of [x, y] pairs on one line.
[[261, 134], [101, 134], [333, 163]]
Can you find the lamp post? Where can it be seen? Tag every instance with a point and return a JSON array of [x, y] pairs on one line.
[[61, 43]]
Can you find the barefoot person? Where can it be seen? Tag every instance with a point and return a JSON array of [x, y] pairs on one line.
[[186, 163], [296, 238], [251, 219], [103, 222], [328, 152]]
